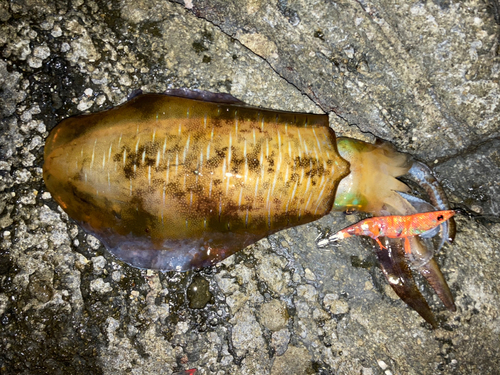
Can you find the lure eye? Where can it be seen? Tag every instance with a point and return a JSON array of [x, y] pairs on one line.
[[440, 218]]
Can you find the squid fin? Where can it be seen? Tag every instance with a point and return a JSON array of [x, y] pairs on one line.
[[205, 96]]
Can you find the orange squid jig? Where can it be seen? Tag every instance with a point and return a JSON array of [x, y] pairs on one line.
[[397, 226]]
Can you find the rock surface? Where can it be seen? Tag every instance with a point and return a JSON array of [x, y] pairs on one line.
[[423, 75]]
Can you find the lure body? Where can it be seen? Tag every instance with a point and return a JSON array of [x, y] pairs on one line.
[[173, 183], [396, 226]]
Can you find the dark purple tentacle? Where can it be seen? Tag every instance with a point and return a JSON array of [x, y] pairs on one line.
[[422, 175], [398, 274], [429, 269], [435, 278]]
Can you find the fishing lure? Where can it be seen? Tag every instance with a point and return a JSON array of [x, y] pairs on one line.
[[396, 226], [182, 180]]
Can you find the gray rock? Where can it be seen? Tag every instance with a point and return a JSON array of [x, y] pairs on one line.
[[422, 75], [280, 340], [294, 361], [274, 315], [99, 286], [246, 332], [473, 178], [334, 305]]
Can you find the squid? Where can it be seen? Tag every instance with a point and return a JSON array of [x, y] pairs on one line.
[[181, 180]]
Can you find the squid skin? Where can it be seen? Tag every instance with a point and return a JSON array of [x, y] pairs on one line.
[[175, 183], [182, 181]]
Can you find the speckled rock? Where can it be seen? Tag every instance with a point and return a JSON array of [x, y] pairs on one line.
[[246, 333], [334, 305], [274, 315], [280, 340], [474, 178], [294, 361], [423, 75]]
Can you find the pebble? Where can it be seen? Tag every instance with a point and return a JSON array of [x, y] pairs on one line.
[[99, 286], [274, 315]]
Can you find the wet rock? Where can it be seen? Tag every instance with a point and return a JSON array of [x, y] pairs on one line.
[[4, 11], [93, 242], [226, 283], [246, 332], [270, 271], [295, 361], [40, 286], [100, 286], [198, 293], [307, 292], [309, 275], [9, 82], [99, 265], [474, 178], [334, 305], [422, 75], [280, 340], [236, 301], [145, 10], [274, 315]]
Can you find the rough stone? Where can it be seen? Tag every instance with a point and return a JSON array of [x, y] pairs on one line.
[[295, 361], [99, 286], [334, 305], [474, 178], [246, 333], [422, 75], [274, 315], [280, 340]]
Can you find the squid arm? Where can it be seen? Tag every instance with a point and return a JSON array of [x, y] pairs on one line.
[[373, 187]]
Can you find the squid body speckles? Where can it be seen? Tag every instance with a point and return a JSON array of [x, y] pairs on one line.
[[170, 182]]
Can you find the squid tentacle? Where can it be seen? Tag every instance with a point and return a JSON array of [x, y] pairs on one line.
[[395, 269], [373, 186], [429, 269], [432, 273], [423, 176], [422, 253]]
